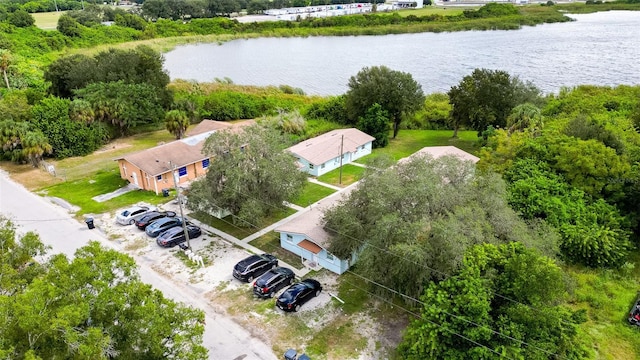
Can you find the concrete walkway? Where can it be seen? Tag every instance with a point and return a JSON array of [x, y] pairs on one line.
[[111, 195], [315, 181]]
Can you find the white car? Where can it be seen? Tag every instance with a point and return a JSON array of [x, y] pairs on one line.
[[127, 216]]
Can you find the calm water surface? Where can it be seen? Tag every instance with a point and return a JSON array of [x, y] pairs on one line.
[[600, 49]]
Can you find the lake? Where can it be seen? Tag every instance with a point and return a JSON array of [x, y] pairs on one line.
[[600, 49]]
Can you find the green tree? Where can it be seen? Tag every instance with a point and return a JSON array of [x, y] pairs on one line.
[[376, 123], [92, 307], [176, 122], [67, 137], [525, 116], [486, 97], [472, 304], [250, 174], [69, 26], [21, 18], [397, 92], [34, 146], [6, 59], [592, 233], [407, 215], [124, 105]]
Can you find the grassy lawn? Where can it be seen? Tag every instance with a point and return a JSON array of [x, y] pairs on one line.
[[410, 141], [312, 193], [226, 224], [607, 295], [80, 193], [47, 20], [350, 174], [270, 243], [76, 168]]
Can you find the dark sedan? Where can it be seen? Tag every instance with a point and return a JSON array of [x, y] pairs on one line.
[[161, 225], [148, 218], [175, 235], [253, 266], [272, 281], [298, 294]]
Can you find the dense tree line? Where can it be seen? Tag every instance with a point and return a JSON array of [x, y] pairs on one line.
[[93, 306]]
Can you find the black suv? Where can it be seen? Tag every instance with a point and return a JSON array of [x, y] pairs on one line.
[[272, 281], [254, 266]]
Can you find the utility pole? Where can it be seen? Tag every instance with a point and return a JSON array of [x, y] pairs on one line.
[[341, 149], [179, 197]]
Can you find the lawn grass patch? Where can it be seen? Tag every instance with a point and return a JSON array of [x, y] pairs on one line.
[[47, 20], [270, 243], [409, 141], [227, 225], [80, 193], [312, 193], [608, 295], [350, 174], [355, 298], [340, 338]]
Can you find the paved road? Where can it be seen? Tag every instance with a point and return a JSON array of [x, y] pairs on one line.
[[225, 339]]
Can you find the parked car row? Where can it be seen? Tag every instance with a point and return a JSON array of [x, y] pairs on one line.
[[270, 278], [165, 226]]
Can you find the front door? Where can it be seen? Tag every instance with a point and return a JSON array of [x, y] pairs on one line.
[[135, 179]]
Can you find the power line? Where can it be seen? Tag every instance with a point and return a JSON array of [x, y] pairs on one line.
[[416, 300], [450, 314], [364, 242], [430, 321]]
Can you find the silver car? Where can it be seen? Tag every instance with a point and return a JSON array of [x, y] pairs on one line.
[[127, 216]]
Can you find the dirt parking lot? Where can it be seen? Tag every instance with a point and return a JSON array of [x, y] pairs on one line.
[[320, 326]]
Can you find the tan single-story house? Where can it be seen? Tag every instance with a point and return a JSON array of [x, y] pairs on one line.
[[322, 153], [150, 169]]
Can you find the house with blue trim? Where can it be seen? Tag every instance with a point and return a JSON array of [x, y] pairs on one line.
[[151, 169], [321, 154], [306, 237]]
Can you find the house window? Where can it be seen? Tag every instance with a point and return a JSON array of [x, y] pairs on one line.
[[362, 148], [159, 177], [182, 171], [310, 166], [322, 166], [290, 238], [205, 163], [330, 257]]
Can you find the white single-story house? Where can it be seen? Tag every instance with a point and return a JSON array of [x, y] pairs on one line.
[[305, 236], [321, 154]]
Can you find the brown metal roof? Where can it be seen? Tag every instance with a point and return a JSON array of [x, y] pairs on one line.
[[325, 147], [308, 245]]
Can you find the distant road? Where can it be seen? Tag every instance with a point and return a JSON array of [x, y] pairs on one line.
[[225, 339]]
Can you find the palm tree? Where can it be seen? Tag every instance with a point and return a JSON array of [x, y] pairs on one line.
[[5, 61], [525, 116], [82, 111], [34, 145], [176, 122]]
